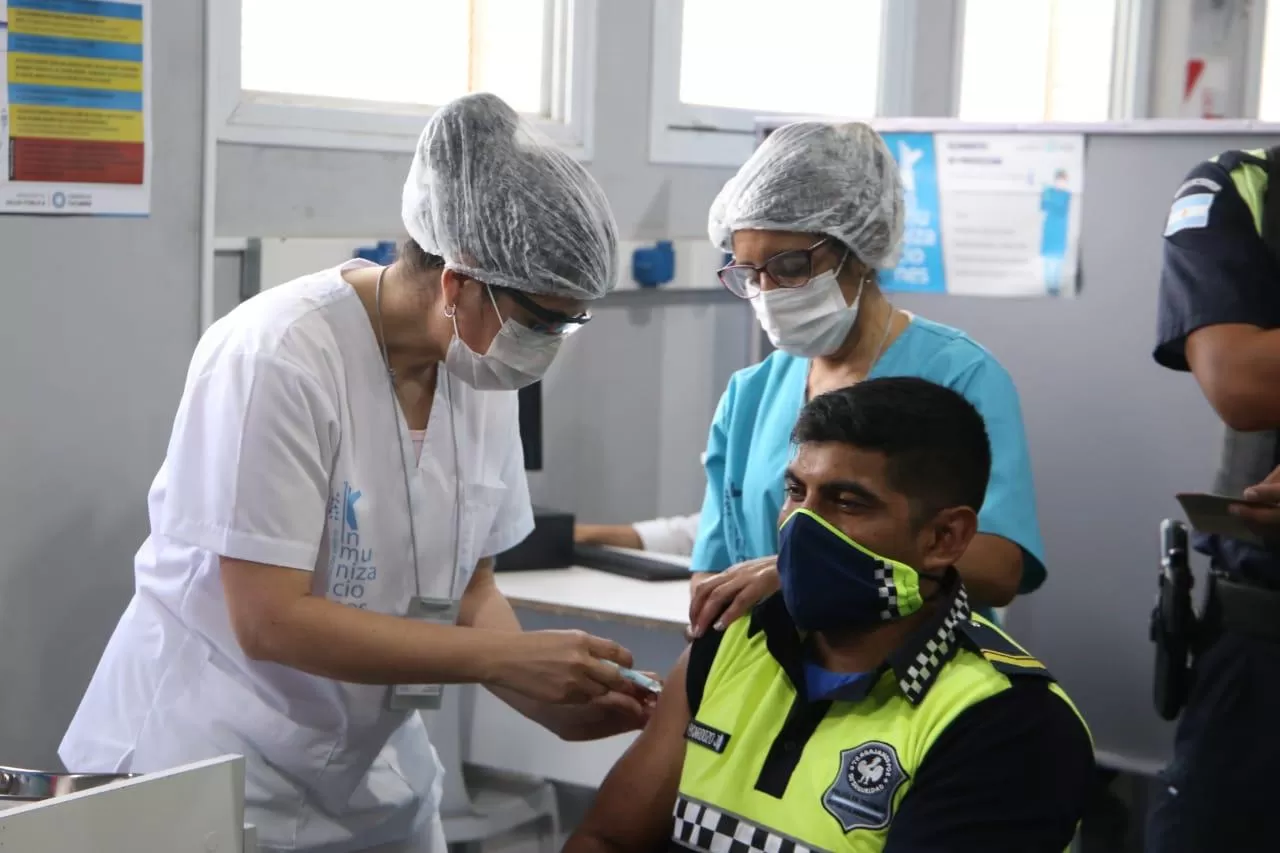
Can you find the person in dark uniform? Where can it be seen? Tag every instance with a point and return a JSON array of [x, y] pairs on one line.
[[864, 707], [1219, 318]]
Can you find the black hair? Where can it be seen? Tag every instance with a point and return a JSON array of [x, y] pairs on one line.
[[418, 259], [935, 441]]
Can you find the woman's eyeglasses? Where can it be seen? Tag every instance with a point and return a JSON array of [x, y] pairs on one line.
[[545, 320], [792, 268]]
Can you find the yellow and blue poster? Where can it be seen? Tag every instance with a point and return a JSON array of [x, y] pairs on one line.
[[74, 107], [989, 214]]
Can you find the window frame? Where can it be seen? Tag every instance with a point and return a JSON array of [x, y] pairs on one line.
[[1254, 59], [296, 121], [695, 135]]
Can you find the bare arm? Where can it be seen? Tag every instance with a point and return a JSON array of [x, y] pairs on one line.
[[1238, 368], [632, 811], [617, 535], [992, 569], [276, 618], [484, 606]]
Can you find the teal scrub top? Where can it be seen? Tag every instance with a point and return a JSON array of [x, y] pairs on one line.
[[750, 445]]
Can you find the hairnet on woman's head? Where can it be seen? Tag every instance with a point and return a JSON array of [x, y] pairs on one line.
[[833, 179], [507, 208]]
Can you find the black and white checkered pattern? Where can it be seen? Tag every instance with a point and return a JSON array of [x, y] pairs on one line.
[[888, 591], [706, 829], [937, 650]]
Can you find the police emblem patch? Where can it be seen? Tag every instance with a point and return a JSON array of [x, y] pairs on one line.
[[861, 797]]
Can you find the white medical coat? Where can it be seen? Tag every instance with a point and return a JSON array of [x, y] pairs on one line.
[[284, 451]]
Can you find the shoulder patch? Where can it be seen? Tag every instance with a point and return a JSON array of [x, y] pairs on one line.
[[868, 778], [1189, 211], [1198, 183], [1002, 653]]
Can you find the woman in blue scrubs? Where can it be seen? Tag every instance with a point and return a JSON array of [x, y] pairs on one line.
[[810, 218]]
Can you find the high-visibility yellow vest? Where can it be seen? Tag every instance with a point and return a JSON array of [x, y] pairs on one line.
[[1248, 170], [852, 772]]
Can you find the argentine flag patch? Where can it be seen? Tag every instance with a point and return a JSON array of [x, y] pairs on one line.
[[1190, 211]]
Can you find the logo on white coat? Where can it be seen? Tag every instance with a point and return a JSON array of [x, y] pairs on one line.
[[352, 570]]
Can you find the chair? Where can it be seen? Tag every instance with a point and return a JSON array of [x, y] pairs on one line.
[[478, 804]]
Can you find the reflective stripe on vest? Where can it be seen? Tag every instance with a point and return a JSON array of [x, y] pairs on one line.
[[1250, 180], [853, 772]]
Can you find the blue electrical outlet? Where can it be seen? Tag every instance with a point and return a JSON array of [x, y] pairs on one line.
[[383, 254], [655, 265]]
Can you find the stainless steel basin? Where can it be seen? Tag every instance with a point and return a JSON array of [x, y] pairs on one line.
[[21, 785]]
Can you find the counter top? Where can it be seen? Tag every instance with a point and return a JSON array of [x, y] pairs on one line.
[[604, 596]]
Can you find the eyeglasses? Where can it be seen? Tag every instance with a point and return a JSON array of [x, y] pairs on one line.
[[546, 320], [792, 268]]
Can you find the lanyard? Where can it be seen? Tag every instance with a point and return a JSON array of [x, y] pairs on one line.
[[404, 465]]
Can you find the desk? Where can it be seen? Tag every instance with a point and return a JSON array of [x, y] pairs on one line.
[[601, 596], [647, 617]]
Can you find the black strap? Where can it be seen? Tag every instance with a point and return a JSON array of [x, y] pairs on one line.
[[702, 655], [1249, 610]]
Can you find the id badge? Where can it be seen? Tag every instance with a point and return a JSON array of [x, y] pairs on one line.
[[423, 697]]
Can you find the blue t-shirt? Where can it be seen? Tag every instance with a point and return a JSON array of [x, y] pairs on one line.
[[821, 683], [750, 445], [1055, 203]]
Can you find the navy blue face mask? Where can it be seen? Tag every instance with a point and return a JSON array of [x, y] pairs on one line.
[[830, 582]]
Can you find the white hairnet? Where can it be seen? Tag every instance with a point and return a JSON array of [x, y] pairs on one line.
[[839, 180], [508, 208]]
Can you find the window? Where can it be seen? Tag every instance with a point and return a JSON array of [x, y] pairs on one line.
[[720, 64], [1037, 60], [1269, 85], [368, 73]]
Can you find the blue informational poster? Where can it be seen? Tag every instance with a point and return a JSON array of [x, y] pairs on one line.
[[920, 268], [989, 214]]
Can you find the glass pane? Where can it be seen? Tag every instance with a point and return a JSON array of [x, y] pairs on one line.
[[401, 51], [1058, 68], [1269, 90], [820, 57], [397, 51], [510, 50]]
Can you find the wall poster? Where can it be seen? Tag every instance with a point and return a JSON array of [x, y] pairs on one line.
[[75, 123], [989, 214]]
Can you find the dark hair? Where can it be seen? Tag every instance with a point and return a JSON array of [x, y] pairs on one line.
[[418, 259], [935, 441]]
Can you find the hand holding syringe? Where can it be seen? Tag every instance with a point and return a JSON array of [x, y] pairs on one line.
[[639, 679]]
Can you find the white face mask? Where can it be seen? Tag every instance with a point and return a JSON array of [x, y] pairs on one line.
[[517, 356], [809, 321]]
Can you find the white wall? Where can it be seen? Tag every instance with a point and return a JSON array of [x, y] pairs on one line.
[[98, 323]]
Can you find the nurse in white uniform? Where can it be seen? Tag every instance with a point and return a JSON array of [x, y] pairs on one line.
[[344, 462]]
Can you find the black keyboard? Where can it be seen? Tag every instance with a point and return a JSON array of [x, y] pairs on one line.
[[631, 564]]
